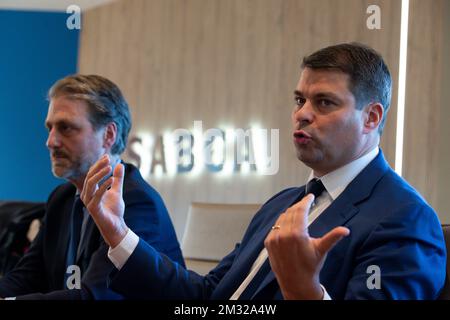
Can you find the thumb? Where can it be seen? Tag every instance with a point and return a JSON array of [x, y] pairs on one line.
[[328, 241]]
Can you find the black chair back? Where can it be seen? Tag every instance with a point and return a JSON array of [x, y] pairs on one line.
[[445, 294], [15, 220]]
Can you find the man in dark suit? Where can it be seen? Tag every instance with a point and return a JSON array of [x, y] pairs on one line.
[[88, 118], [356, 230]]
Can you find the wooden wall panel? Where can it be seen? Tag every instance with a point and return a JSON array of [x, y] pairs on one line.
[[443, 146], [422, 142], [225, 62]]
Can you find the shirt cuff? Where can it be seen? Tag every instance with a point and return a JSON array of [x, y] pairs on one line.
[[120, 254], [326, 296]]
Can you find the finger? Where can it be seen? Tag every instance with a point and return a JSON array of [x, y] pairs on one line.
[[288, 219], [119, 173], [96, 199], [328, 241], [301, 211], [273, 234], [281, 220], [92, 183], [271, 241], [268, 241], [102, 162], [305, 203]]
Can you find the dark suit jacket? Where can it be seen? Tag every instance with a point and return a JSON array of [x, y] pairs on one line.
[[40, 273], [391, 227]]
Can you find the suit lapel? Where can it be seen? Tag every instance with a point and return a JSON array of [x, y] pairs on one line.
[[251, 248], [86, 239], [259, 238]]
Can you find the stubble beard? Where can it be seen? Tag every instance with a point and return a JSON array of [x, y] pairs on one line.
[[73, 170]]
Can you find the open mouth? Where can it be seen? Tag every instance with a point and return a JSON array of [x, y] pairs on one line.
[[58, 157], [301, 137]]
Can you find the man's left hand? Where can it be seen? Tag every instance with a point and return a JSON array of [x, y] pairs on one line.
[[295, 257]]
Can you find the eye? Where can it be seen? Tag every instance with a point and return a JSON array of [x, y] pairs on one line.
[[325, 103], [299, 101], [65, 129]]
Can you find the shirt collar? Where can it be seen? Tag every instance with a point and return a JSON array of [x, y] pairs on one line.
[[336, 181]]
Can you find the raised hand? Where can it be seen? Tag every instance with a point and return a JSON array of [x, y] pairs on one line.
[[295, 257], [105, 203]]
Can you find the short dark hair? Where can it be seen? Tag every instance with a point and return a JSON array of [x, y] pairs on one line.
[[370, 80], [105, 102]]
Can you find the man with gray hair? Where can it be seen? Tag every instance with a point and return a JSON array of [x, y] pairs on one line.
[[88, 119]]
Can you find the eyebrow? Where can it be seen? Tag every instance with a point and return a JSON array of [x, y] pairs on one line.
[[319, 95], [59, 122]]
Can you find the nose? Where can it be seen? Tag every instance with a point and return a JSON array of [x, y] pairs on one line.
[[53, 140], [303, 114]]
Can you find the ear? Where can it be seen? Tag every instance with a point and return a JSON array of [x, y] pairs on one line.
[[109, 136], [373, 114]]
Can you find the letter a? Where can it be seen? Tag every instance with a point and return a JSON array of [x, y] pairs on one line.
[[374, 20], [374, 281], [74, 280], [74, 20]]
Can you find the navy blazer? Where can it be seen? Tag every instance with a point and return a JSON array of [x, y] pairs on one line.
[[391, 226], [40, 273]]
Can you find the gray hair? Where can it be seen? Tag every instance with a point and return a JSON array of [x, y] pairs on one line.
[[105, 102]]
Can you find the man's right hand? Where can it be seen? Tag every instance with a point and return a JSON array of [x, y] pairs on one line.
[[105, 203]]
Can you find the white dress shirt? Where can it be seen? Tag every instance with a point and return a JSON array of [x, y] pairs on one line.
[[334, 182], [120, 254]]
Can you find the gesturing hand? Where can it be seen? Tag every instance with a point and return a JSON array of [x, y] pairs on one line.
[[295, 257], [105, 203]]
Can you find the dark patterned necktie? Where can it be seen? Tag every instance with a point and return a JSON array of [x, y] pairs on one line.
[[316, 187], [76, 220]]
